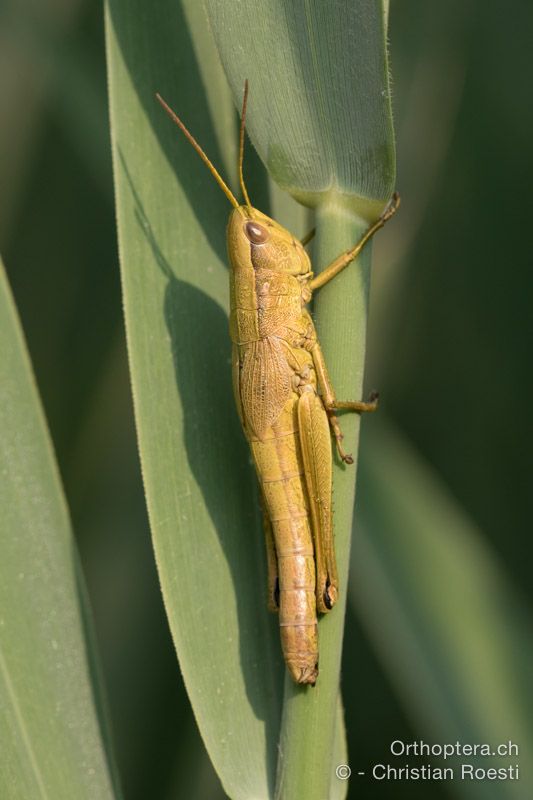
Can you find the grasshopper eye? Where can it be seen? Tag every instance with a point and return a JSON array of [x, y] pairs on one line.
[[256, 233]]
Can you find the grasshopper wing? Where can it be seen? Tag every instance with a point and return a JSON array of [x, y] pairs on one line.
[[265, 384], [317, 459]]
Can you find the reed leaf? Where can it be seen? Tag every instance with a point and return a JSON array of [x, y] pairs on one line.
[[53, 726]]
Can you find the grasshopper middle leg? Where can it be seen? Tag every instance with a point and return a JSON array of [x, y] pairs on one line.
[[331, 404]]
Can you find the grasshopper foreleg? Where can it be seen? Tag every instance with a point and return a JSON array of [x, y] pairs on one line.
[[346, 258]]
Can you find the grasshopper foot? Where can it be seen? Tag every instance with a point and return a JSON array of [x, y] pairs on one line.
[[330, 595], [392, 207], [346, 458], [339, 436]]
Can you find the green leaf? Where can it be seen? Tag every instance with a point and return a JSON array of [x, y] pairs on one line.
[[319, 110], [51, 712], [451, 633]]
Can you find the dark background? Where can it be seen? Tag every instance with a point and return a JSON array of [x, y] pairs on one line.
[[450, 335]]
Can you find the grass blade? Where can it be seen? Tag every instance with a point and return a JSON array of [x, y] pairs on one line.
[[450, 631], [49, 691], [319, 112]]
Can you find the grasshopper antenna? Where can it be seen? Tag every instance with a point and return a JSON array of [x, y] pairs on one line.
[[241, 145], [214, 172]]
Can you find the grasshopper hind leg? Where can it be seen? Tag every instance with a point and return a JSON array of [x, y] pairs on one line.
[[315, 442]]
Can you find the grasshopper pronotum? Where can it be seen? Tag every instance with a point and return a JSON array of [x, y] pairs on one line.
[[287, 405]]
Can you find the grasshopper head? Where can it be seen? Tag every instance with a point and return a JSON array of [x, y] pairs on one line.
[[259, 242], [255, 241]]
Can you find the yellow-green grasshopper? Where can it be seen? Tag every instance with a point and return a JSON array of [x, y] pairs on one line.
[[287, 406]]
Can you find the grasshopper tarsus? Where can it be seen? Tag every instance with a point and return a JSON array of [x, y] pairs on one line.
[[330, 596], [346, 458], [392, 207]]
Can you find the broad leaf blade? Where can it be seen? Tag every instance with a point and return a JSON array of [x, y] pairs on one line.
[[51, 711], [199, 484], [452, 635], [319, 109]]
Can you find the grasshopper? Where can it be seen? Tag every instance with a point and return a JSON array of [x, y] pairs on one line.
[[287, 406]]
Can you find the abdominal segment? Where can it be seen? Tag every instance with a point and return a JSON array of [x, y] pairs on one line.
[[279, 466]]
